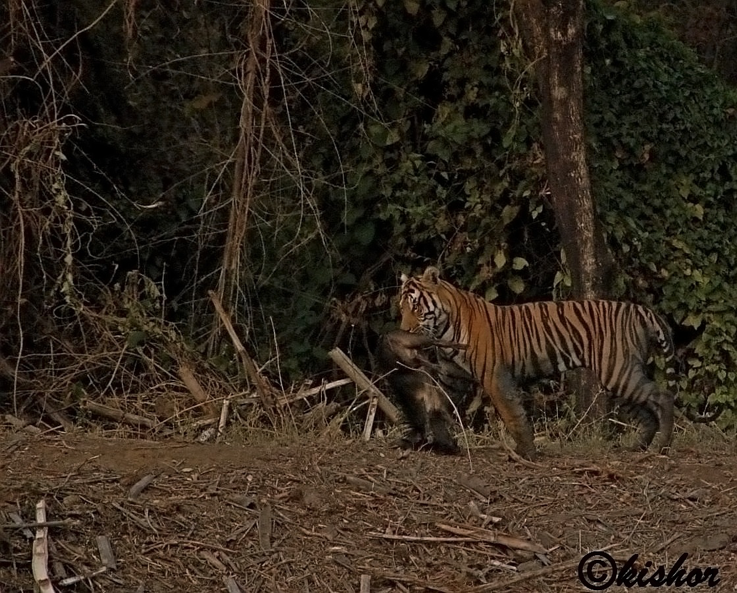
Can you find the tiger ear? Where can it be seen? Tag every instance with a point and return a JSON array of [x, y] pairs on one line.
[[403, 278], [431, 275]]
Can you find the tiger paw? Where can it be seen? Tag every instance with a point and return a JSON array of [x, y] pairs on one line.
[[527, 453]]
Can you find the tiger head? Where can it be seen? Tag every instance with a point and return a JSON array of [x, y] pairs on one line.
[[421, 309]]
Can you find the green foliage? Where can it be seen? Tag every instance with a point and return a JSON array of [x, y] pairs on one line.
[[421, 142], [663, 162], [395, 135], [450, 164]]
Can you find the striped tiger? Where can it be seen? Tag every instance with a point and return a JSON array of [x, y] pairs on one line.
[[508, 344]]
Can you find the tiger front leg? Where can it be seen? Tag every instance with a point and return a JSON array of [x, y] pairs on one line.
[[503, 392]]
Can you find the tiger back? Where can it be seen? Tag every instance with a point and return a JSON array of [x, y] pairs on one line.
[[508, 344]]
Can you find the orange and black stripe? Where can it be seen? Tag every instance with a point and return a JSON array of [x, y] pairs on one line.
[[507, 344]]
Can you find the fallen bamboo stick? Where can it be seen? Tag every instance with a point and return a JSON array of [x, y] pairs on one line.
[[194, 387], [363, 382], [369, 426], [105, 549], [264, 526], [36, 524], [40, 559], [429, 539], [267, 400], [231, 585], [313, 391], [223, 417], [140, 486], [485, 535], [119, 415]]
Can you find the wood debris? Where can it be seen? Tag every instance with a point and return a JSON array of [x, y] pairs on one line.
[[140, 486], [262, 388], [264, 526], [231, 585], [119, 415], [106, 552], [363, 382], [40, 563], [336, 514]]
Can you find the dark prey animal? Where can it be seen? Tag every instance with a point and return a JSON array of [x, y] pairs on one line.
[[422, 387]]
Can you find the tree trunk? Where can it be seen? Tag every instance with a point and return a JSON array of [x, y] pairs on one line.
[[552, 32]]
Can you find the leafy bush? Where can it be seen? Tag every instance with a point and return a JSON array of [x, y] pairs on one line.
[[663, 161], [395, 135]]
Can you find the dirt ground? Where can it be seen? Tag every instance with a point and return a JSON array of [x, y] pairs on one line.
[[340, 515]]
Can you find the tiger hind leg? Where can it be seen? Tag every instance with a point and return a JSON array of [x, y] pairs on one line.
[[647, 421], [650, 406], [653, 415], [667, 403]]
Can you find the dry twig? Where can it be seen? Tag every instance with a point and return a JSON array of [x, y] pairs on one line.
[[313, 391], [485, 535], [363, 382], [140, 486], [119, 415], [267, 399], [82, 577], [368, 486], [107, 557], [370, 415], [40, 562], [194, 387]]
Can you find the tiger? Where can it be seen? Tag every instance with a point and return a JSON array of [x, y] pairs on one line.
[[422, 389], [509, 344]]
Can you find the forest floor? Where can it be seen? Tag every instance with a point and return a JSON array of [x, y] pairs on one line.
[[332, 514]]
